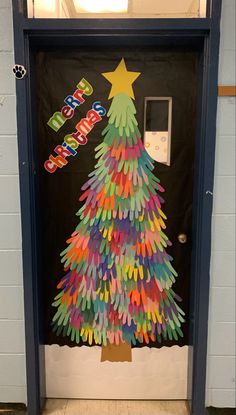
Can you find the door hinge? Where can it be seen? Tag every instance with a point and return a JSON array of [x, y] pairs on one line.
[[20, 6]]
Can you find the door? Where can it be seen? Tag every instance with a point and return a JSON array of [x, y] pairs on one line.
[[78, 109]]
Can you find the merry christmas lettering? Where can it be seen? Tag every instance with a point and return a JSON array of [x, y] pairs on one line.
[[72, 141]]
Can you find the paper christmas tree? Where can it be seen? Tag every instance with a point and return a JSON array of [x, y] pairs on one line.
[[118, 283]]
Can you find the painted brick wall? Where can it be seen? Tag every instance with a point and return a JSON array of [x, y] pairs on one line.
[[12, 354], [221, 349], [221, 359]]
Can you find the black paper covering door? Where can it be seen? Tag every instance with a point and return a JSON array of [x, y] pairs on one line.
[[164, 72]]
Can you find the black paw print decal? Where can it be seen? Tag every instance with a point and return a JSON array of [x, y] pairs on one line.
[[19, 71]]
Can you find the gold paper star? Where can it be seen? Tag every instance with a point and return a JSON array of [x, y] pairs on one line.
[[121, 80]]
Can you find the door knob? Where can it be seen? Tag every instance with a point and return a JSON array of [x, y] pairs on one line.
[[182, 238]]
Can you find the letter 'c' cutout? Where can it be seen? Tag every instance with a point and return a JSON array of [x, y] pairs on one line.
[[50, 166]]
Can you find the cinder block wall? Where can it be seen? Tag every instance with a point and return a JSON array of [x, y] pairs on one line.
[[221, 344], [12, 352], [221, 354]]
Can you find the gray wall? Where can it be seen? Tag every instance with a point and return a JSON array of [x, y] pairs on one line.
[[221, 353], [12, 353], [221, 350]]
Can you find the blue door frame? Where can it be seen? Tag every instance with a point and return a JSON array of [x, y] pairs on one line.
[[202, 34]]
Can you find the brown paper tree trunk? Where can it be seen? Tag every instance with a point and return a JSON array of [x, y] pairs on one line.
[[114, 353]]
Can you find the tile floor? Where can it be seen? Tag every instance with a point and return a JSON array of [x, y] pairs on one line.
[[75, 407], [83, 407]]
